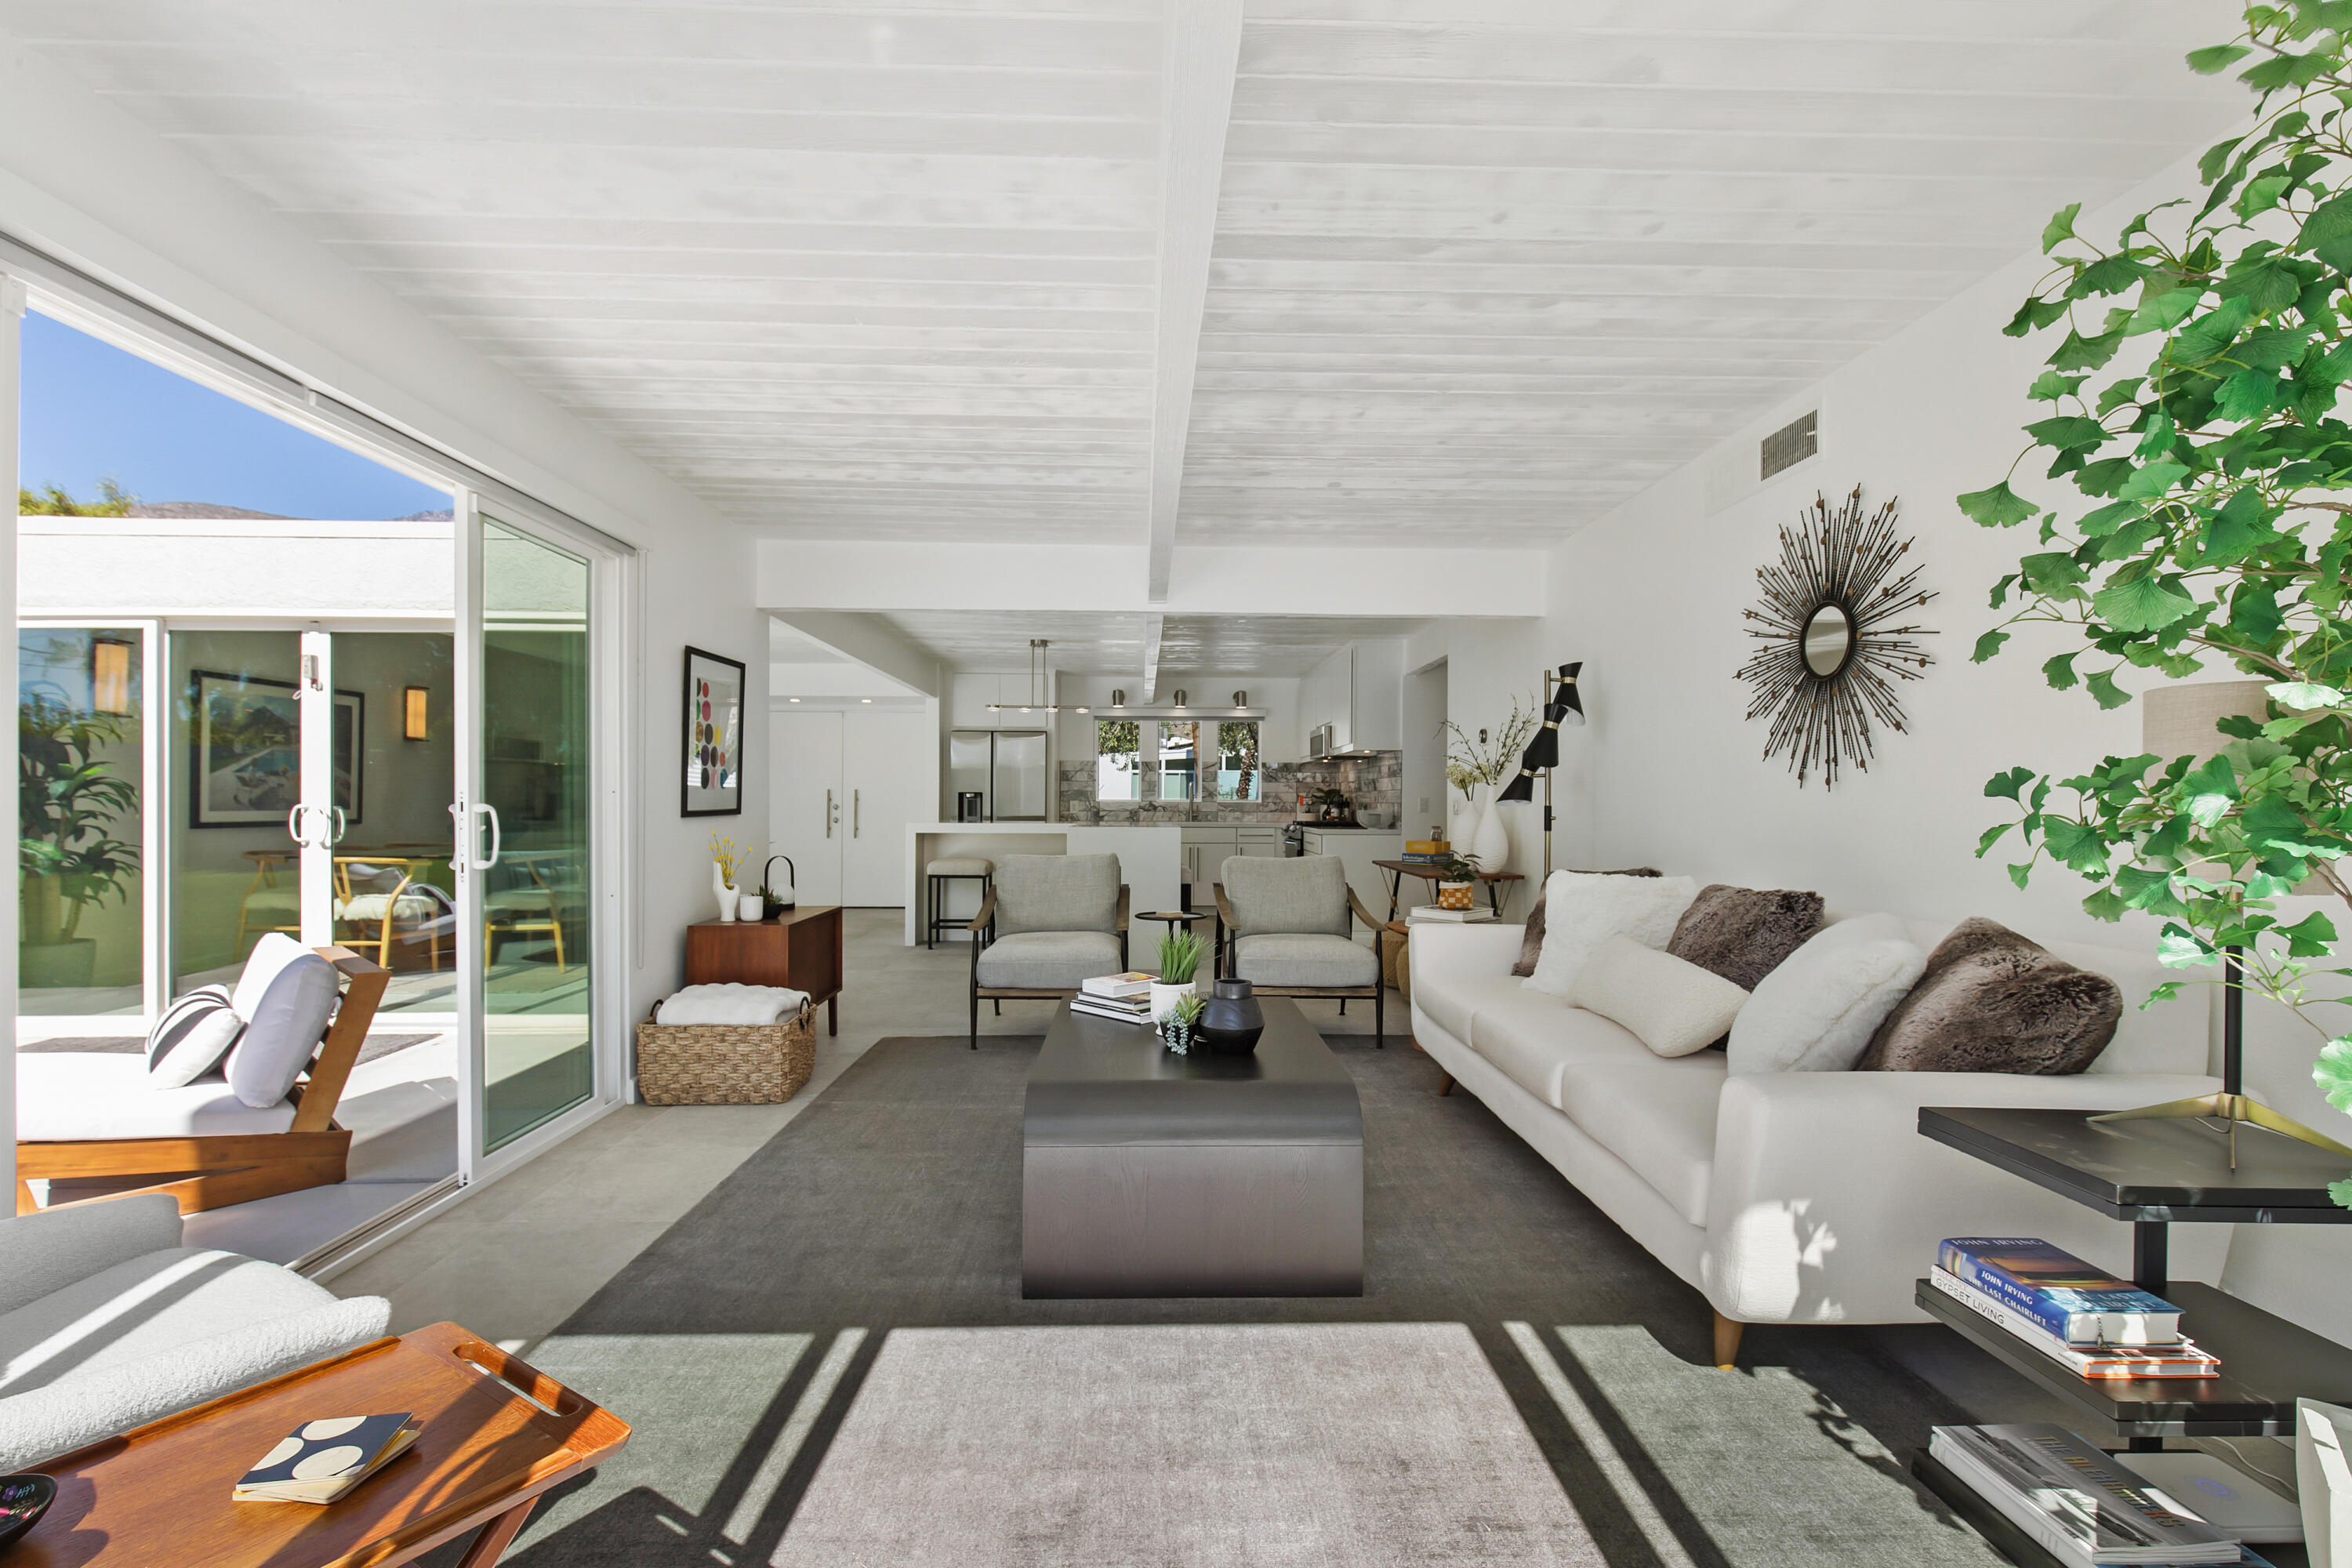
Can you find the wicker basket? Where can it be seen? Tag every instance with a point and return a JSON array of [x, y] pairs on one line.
[[725, 1064]]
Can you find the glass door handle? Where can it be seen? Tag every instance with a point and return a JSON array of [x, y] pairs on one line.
[[336, 812], [491, 813]]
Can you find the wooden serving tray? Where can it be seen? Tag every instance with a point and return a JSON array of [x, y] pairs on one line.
[[161, 1493]]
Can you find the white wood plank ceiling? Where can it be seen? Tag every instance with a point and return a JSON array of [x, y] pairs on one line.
[[1114, 644], [1479, 269]]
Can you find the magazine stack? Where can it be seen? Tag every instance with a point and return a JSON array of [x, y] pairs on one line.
[[1125, 997], [2082, 1506]]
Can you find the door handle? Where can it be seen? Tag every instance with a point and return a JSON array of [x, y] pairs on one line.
[[490, 811], [336, 837], [857, 812], [828, 814]]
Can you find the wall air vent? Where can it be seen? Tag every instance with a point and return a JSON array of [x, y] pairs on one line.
[[1791, 443]]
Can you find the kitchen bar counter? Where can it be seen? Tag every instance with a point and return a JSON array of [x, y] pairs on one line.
[[1149, 859]]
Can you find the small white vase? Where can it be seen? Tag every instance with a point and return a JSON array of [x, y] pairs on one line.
[[1492, 845], [1464, 826], [721, 891], [1165, 997], [749, 907]]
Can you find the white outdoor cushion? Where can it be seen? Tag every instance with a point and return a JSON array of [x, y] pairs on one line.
[[1657, 1115], [1817, 1010], [1540, 1042], [371, 907], [104, 1094], [282, 1028], [1671, 1003], [1582, 910], [191, 1037]]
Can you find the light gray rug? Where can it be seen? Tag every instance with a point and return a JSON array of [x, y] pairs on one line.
[[1324, 1443]]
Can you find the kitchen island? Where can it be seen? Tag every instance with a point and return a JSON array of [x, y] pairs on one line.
[[1151, 861]]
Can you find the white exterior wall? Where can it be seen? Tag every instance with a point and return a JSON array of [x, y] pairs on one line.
[[186, 566]]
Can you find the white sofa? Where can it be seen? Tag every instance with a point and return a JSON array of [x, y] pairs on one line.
[[107, 1322], [1787, 1197]]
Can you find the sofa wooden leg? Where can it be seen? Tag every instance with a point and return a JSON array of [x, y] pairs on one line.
[[1727, 1341], [1446, 1083]]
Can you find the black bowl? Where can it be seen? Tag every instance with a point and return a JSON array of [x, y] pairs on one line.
[[22, 1500]]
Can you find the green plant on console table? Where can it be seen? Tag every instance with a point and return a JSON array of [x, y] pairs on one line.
[[67, 799], [1455, 867], [2210, 523], [1179, 955]]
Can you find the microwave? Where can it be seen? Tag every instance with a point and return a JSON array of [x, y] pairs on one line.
[[1318, 740]]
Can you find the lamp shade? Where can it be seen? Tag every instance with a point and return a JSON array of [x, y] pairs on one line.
[[2178, 720]]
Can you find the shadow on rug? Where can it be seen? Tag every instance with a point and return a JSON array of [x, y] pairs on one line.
[[739, 1343]]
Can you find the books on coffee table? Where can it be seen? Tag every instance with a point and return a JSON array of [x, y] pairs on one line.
[[321, 1460], [2182, 1358], [1133, 982], [2067, 1296], [2081, 1505], [1121, 1009]]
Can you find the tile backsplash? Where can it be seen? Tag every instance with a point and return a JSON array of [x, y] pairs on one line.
[[1374, 781]]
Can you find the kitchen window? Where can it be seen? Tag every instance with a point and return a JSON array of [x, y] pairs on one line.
[[1118, 759], [1170, 758], [1176, 764], [1239, 775]]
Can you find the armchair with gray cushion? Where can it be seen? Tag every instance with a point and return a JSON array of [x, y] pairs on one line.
[[107, 1322], [1049, 922], [1283, 925]]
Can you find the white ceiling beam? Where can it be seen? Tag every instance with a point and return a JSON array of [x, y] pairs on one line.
[[1153, 626], [864, 640], [1196, 103]]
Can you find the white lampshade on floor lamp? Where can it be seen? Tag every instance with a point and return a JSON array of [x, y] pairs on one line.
[[2180, 720]]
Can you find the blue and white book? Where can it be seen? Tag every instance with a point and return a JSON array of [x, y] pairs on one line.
[[2080, 1304]]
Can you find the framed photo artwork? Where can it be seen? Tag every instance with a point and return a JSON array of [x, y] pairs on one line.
[[713, 782], [245, 763]]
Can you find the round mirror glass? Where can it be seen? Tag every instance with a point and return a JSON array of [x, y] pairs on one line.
[[1828, 637]]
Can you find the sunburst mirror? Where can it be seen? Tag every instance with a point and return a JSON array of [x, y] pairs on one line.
[[1826, 672]]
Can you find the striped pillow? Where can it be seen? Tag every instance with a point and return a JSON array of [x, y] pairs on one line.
[[191, 1037]]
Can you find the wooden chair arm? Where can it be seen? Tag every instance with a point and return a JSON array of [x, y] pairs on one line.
[[1123, 901], [987, 915], [1356, 903], [1217, 966], [1224, 909]]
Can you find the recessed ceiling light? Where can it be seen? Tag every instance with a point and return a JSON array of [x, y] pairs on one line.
[[866, 700], [791, 699]]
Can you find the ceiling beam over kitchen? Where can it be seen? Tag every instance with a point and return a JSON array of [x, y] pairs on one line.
[[1196, 102], [1153, 628]]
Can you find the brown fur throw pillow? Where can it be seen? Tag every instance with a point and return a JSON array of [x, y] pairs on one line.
[[1991, 1001], [1743, 933], [1531, 945]]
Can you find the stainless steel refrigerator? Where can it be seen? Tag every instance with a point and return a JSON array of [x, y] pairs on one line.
[[1007, 767]]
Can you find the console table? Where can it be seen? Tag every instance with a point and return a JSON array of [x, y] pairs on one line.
[[2155, 1173], [799, 948]]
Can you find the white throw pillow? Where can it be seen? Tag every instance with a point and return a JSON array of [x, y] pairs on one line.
[[1582, 910], [191, 1037], [1817, 1010], [1670, 1003]]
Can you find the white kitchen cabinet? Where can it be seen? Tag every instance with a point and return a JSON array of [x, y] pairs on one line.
[[1205, 850], [1257, 841], [1358, 692], [970, 692]]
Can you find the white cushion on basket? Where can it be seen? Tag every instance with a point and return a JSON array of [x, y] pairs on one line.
[[751, 1006]]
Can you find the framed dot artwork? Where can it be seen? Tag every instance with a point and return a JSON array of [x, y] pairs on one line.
[[713, 780]]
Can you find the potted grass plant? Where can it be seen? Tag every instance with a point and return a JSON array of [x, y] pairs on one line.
[[1179, 958]]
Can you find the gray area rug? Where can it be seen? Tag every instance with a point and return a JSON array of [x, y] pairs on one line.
[[744, 1342]]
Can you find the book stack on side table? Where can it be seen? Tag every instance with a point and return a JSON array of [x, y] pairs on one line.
[[1457, 917], [2078, 1505], [2085, 1320], [1125, 997]]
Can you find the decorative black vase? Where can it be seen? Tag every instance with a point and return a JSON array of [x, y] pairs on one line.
[[1233, 1021]]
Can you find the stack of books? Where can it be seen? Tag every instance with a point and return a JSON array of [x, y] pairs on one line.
[[1126, 997], [2099, 1326], [2082, 1506], [1432, 912], [1427, 851]]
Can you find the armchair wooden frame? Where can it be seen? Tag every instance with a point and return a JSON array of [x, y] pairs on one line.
[[1343, 994], [211, 1172], [982, 927]]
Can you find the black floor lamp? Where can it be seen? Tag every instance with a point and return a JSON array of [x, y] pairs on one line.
[[2176, 721], [1561, 706]]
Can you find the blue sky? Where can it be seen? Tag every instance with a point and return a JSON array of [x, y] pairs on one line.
[[92, 412]]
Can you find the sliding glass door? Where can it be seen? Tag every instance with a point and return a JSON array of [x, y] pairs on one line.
[[531, 832]]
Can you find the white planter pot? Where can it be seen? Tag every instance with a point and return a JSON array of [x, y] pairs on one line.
[[1165, 997], [1491, 848], [749, 907]]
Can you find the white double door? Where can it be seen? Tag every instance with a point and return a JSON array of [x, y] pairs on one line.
[[846, 784]]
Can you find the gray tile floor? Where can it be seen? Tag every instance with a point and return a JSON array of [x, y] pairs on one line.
[[517, 1258]]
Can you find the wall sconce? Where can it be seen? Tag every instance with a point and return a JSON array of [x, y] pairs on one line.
[[412, 722], [110, 677]]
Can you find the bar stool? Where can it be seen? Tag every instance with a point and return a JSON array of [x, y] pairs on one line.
[[952, 869]]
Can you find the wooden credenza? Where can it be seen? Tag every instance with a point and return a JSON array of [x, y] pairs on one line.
[[799, 948]]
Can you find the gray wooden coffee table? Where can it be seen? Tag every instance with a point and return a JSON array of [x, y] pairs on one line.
[[1148, 1173]]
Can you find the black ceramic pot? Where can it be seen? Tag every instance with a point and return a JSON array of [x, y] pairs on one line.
[[1233, 1021]]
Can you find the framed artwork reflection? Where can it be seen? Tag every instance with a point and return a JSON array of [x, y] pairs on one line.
[[245, 761], [713, 781]]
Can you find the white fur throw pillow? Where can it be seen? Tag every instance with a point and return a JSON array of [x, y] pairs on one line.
[[1817, 1012], [1670, 1003], [1584, 909]]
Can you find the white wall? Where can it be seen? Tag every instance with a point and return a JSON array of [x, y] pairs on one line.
[[1670, 771], [84, 182]]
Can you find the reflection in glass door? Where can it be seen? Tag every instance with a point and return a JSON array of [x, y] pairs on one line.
[[535, 800]]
